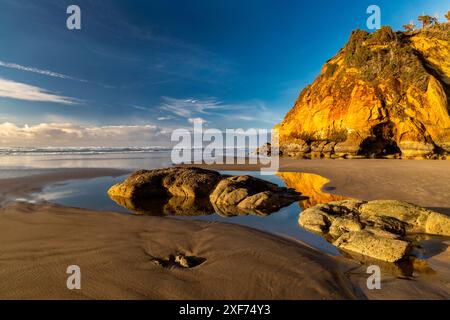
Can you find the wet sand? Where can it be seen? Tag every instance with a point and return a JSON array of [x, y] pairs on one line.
[[424, 183], [115, 251]]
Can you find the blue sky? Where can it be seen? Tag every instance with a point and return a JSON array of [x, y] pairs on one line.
[[160, 64]]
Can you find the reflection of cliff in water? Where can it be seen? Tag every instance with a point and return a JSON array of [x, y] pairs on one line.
[[309, 185]]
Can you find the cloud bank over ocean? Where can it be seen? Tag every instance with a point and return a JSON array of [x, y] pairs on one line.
[[67, 134]]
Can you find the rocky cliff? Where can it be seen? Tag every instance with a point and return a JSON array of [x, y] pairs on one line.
[[385, 94]]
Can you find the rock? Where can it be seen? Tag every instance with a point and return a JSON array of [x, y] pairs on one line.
[[246, 194], [177, 181], [415, 219], [344, 225], [194, 191], [357, 225], [265, 150], [316, 219], [415, 149], [295, 148], [388, 224], [349, 147], [365, 103], [178, 260], [182, 261], [368, 244], [322, 148], [393, 216]]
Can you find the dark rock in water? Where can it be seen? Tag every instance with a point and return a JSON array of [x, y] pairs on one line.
[[170, 182], [375, 228], [193, 191]]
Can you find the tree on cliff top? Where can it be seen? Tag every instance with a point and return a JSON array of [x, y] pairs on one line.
[[426, 21], [435, 20], [447, 16]]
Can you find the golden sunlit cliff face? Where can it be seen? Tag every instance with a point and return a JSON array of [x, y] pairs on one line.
[[383, 94]]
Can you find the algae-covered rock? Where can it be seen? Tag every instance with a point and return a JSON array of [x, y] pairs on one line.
[[369, 244], [375, 227]]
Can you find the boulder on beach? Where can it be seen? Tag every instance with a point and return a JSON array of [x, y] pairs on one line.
[[206, 190], [374, 228], [169, 182], [372, 245], [416, 219], [240, 195]]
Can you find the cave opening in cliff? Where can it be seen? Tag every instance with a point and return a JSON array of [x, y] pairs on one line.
[[381, 143]]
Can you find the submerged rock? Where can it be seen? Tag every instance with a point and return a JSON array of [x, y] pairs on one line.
[[187, 191], [374, 228]]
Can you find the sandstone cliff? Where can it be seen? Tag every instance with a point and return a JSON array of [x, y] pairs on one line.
[[385, 94]]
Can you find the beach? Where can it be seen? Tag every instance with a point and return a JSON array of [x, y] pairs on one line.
[[424, 183], [117, 252]]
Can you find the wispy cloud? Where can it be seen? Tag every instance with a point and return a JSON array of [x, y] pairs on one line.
[[21, 91], [188, 108], [48, 73], [165, 118], [197, 120], [141, 108], [39, 71], [191, 109]]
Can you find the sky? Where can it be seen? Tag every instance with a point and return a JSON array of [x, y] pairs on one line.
[[139, 69]]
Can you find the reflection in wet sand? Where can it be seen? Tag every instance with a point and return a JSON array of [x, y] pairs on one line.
[[309, 185]]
